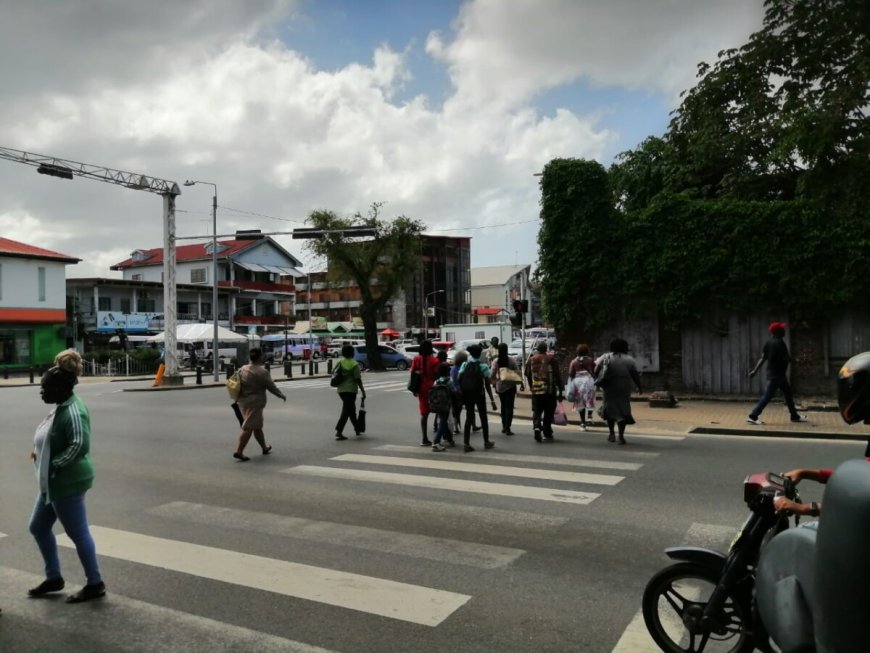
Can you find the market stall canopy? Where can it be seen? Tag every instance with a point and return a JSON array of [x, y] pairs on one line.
[[201, 333], [390, 332]]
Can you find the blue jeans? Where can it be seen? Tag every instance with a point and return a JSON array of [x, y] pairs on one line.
[[73, 516], [442, 431], [773, 384]]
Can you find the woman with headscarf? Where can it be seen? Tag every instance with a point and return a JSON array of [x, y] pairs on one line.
[[426, 365], [61, 455], [617, 381]]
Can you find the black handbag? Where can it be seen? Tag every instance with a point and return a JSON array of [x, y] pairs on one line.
[[361, 417], [415, 382]]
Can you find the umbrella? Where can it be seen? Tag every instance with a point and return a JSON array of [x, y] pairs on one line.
[[392, 333]]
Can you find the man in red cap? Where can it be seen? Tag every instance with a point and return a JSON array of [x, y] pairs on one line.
[[776, 354]]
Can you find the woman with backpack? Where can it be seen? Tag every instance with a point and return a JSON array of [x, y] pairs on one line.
[[347, 378], [507, 378], [472, 380], [426, 366]]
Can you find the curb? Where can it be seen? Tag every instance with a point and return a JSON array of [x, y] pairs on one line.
[[824, 435]]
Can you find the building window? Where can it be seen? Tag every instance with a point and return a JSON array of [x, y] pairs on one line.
[[125, 305], [41, 273], [145, 305], [198, 275], [105, 304], [137, 277]]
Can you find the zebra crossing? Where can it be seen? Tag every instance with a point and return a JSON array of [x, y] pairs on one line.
[[490, 485]]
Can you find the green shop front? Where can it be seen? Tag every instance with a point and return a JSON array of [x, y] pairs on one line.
[[31, 339]]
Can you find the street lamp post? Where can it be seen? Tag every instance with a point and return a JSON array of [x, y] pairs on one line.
[[426, 312], [214, 280]]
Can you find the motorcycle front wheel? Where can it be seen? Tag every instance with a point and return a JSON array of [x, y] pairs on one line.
[[673, 604]]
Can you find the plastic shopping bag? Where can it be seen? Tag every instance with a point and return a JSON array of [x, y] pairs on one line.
[[560, 418]]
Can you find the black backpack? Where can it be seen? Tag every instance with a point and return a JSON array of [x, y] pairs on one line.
[[471, 381], [439, 399]]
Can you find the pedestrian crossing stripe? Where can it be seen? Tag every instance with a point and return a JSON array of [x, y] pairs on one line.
[[395, 600], [2, 534], [438, 549], [137, 625], [496, 470], [448, 484], [543, 460]]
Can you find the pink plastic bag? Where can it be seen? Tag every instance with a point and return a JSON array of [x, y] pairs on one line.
[[560, 418]]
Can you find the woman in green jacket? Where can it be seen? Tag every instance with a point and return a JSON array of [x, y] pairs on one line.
[[61, 457], [350, 380]]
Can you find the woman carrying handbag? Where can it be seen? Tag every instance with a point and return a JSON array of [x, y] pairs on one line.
[[508, 378]]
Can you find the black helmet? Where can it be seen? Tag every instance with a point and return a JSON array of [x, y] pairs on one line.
[[853, 389]]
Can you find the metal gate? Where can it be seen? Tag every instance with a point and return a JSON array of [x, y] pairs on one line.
[[718, 353]]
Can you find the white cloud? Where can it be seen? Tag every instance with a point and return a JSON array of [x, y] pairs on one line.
[[214, 96]]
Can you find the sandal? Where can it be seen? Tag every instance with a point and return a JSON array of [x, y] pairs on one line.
[[267, 450], [241, 457]]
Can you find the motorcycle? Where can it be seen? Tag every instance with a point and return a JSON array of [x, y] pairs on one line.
[[704, 602]]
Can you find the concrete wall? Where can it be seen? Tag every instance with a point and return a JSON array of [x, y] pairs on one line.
[[20, 279]]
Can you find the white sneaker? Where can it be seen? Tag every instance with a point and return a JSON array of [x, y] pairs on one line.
[[438, 447], [582, 427], [754, 420]]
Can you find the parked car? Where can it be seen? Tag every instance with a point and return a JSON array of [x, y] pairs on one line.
[[389, 357], [409, 350], [335, 345], [515, 349], [462, 345]]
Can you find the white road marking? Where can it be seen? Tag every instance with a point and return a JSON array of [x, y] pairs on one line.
[[2, 534], [472, 554], [544, 460], [454, 465], [449, 484], [140, 627], [386, 598], [635, 638]]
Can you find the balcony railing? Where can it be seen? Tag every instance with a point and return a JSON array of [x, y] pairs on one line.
[[260, 286]]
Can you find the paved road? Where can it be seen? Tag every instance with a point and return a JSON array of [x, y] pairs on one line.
[[373, 544]]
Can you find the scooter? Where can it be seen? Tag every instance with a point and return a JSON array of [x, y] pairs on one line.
[[704, 602]]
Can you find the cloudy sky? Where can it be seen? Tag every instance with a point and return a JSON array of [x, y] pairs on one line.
[[441, 109]]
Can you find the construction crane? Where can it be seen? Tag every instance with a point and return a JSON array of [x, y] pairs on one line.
[[169, 190]]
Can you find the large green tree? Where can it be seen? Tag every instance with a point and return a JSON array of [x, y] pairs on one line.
[[380, 266], [783, 116]]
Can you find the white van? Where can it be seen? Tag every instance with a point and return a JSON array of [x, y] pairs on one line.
[[336, 344]]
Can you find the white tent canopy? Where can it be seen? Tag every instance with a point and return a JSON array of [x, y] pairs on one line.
[[188, 333]]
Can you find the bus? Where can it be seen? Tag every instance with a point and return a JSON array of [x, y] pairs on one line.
[[297, 344]]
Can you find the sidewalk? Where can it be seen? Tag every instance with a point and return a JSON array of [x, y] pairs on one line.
[[725, 416]]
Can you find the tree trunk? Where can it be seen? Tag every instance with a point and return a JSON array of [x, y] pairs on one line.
[[369, 315]]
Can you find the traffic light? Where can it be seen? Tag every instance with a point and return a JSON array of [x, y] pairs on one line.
[[521, 305]]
